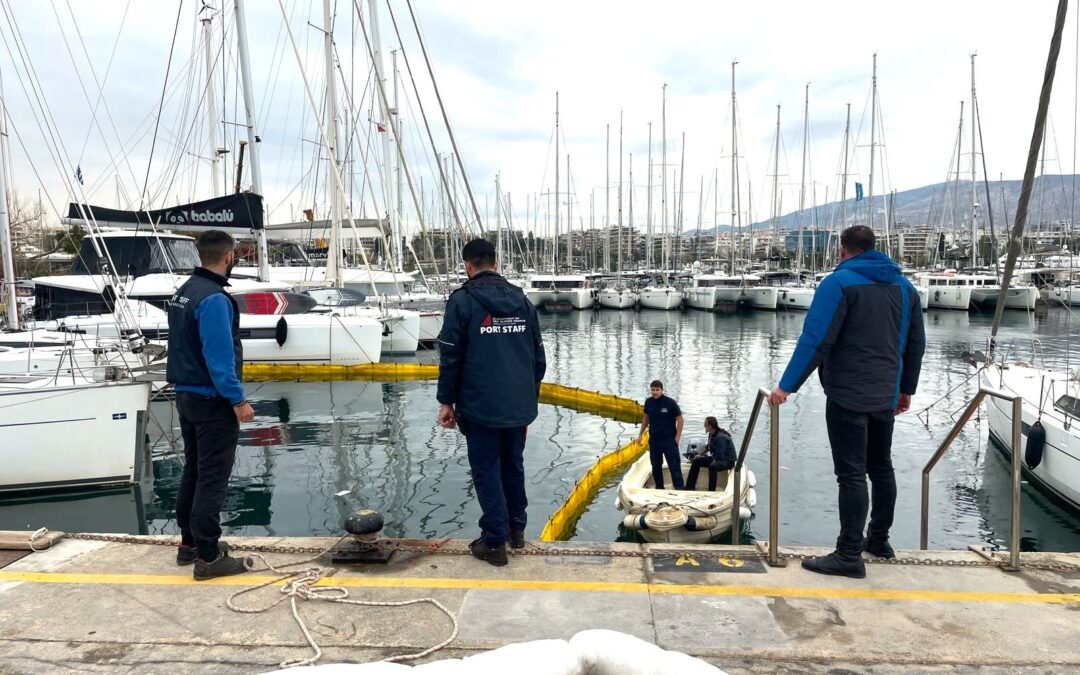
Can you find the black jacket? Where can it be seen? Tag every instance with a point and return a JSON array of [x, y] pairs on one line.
[[187, 363], [491, 355], [864, 333], [721, 447]]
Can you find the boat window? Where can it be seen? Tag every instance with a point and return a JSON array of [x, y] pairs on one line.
[[1070, 405], [136, 256]]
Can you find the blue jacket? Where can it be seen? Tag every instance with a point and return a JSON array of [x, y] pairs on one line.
[[864, 334], [491, 355], [205, 353]]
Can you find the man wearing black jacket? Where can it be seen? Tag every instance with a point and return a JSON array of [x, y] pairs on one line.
[[491, 361], [864, 335]]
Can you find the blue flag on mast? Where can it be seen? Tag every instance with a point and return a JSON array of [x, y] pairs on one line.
[[858, 192]]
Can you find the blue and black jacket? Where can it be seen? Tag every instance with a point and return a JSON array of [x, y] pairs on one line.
[[864, 334], [205, 353], [491, 354]]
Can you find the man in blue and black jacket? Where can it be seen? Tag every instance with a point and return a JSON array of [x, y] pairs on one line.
[[491, 361], [864, 335], [206, 360]]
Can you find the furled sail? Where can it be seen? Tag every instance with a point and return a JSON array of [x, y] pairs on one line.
[[242, 211]]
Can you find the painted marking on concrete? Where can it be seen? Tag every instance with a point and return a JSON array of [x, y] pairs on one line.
[[911, 595], [708, 563]]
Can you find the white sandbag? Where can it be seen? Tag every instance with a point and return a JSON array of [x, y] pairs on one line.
[[377, 668], [539, 657], [608, 652]]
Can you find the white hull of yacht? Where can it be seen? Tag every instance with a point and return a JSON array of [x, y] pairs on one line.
[[70, 432], [401, 327], [661, 297], [575, 298], [311, 339], [703, 298], [1019, 297], [794, 298], [618, 298], [924, 297], [760, 297], [1062, 295], [950, 297], [1059, 471], [692, 517]]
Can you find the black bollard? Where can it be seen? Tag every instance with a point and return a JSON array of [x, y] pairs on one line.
[[365, 526]]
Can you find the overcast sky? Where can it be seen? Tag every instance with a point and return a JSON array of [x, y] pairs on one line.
[[499, 64]]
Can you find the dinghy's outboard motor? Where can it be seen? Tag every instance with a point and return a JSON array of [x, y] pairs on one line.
[[1036, 441]]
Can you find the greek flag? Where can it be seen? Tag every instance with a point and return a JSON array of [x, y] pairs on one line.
[[78, 174], [858, 192]]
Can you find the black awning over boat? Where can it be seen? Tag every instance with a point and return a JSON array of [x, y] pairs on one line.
[[243, 211]]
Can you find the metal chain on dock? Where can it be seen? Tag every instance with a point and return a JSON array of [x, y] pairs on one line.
[[438, 546]]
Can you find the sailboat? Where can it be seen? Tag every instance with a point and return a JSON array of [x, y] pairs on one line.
[[661, 293], [619, 295]]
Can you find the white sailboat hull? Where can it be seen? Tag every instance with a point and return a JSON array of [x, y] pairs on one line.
[[1019, 297], [1062, 295], [794, 298], [760, 297], [703, 298], [76, 433], [1059, 471], [950, 297], [665, 298], [312, 339], [622, 298]]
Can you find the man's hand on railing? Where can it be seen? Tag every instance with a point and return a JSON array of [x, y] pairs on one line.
[[778, 396]]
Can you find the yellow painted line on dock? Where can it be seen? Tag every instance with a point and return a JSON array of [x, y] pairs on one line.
[[908, 595]]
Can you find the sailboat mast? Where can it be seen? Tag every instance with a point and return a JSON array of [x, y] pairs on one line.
[[211, 109], [974, 188], [253, 139], [676, 252], [648, 209], [873, 141], [384, 111], [734, 172], [802, 180], [333, 257], [716, 215], [844, 176], [776, 180], [6, 250], [569, 222], [607, 197], [555, 239], [618, 236], [663, 176]]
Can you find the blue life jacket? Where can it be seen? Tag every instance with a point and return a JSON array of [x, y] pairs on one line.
[[187, 364]]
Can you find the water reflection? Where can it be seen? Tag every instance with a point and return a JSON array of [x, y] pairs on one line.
[[316, 451]]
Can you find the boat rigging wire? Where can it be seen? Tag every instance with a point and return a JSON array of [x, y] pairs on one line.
[[161, 104]]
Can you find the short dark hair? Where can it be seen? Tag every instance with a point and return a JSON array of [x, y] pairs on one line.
[[857, 239], [480, 253], [656, 383], [213, 245], [713, 424]]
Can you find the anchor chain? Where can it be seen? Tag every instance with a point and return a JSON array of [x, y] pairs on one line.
[[436, 548]]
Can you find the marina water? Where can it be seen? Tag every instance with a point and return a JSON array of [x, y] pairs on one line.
[[318, 450]]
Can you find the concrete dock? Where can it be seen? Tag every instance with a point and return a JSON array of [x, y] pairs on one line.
[[94, 606]]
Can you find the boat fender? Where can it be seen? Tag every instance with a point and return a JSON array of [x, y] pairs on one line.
[[281, 331], [635, 522], [700, 523], [745, 513], [1036, 441]]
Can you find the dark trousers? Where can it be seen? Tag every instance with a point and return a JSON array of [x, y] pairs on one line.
[[861, 447], [714, 468], [210, 431], [496, 457], [668, 450]]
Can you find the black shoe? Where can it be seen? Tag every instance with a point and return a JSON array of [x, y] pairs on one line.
[[517, 539], [835, 565], [224, 566], [186, 555], [494, 556], [881, 549]]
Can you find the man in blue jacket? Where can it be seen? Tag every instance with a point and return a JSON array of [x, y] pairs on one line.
[[205, 364], [491, 361], [864, 335]]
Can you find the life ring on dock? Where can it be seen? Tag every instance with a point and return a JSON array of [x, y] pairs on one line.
[[1036, 442]]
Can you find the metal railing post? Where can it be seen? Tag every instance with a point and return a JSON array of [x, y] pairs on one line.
[[1014, 531], [736, 506], [1015, 449], [774, 485]]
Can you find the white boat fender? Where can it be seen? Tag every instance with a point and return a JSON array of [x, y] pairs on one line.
[[281, 331], [745, 513], [1036, 441], [700, 523], [635, 522]]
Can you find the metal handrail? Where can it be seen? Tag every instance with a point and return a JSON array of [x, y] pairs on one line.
[[969, 412], [774, 476]]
